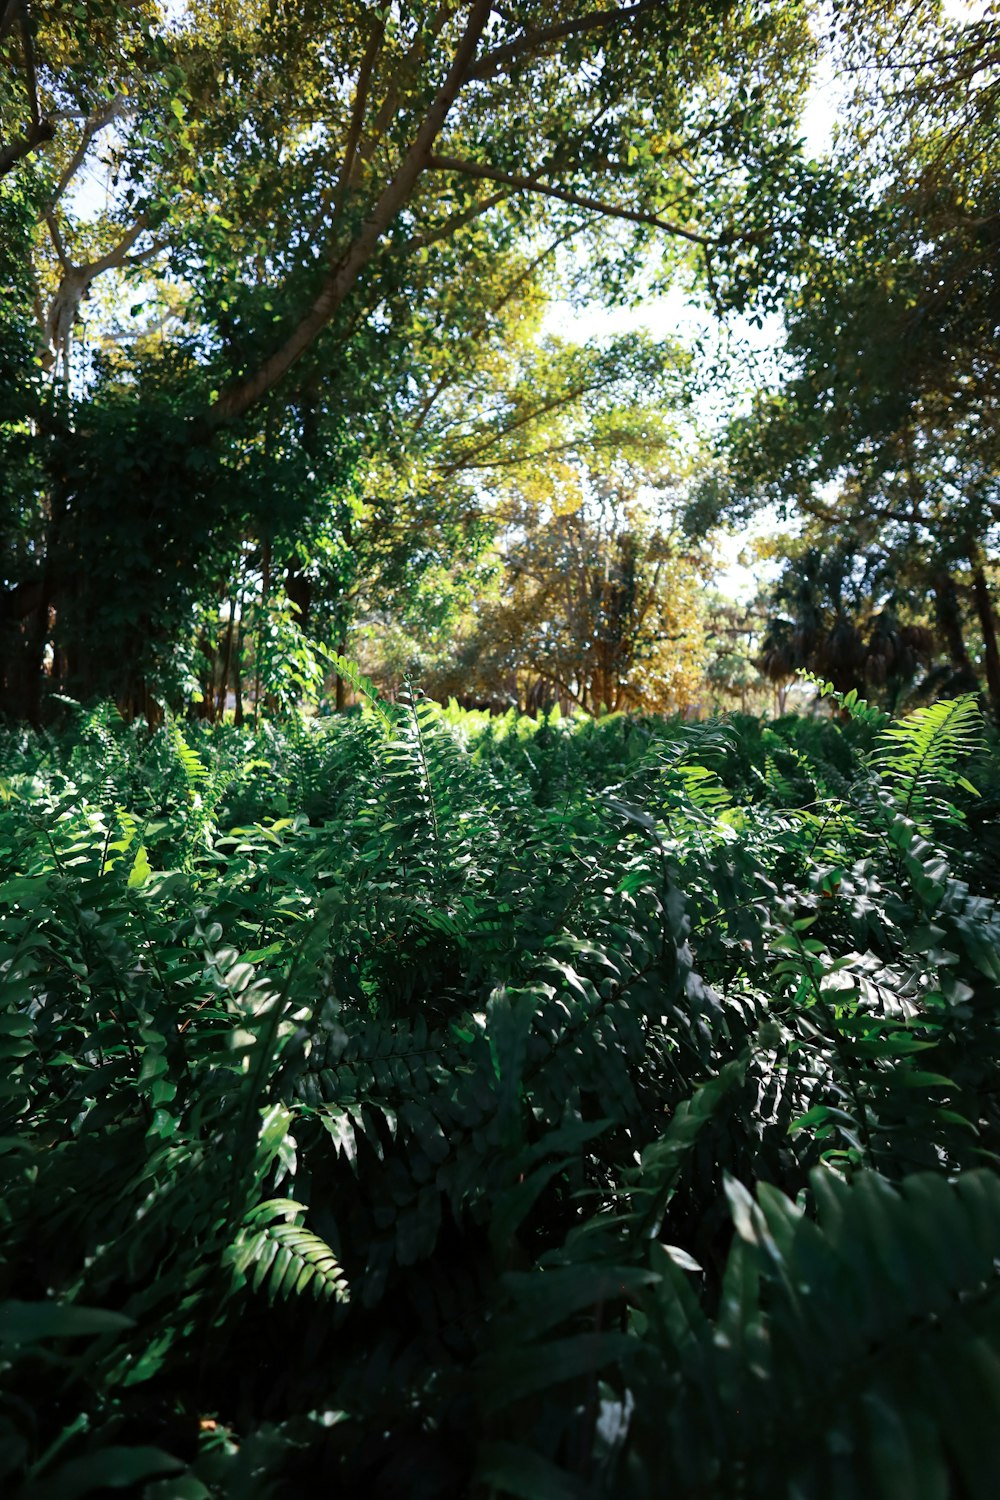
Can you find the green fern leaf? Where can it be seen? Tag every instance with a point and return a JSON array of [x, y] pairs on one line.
[[284, 1256], [920, 754], [352, 674], [188, 760]]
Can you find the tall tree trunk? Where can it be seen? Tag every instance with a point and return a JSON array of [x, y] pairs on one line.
[[265, 591], [238, 716], [227, 659], [206, 709], [39, 622], [948, 613], [988, 625]]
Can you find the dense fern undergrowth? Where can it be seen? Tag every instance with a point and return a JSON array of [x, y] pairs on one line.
[[422, 1104]]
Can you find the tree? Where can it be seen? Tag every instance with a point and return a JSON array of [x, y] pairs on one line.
[[288, 259], [597, 601], [733, 633], [884, 433], [402, 546], [845, 614]]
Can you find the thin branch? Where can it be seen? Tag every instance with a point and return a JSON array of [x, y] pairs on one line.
[[93, 123], [492, 63], [364, 146], [517, 459], [358, 113], [142, 256], [57, 240], [576, 200], [466, 460], [35, 136], [454, 222], [510, 292], [73, 165], [390, 104], [40, 130]]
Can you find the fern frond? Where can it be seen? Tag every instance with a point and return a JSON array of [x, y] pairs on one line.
[[414, 705], [353, 675], [274, 1251], [850, 703], [703, 788], [188, 760], [920, 753]]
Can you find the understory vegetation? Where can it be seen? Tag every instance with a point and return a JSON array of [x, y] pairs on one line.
[[419, 1103]]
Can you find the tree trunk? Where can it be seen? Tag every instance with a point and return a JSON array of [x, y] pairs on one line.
[[299, 589], [206, 709], [227, 659], [948, 613], [988, 625], [238, 716]]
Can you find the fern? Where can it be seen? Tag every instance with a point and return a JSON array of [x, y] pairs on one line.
[[849, 703], [818, 1375], [510, 1053], [413, 704], [195, 772], [273, 1250], [921, 753], [353, 676]]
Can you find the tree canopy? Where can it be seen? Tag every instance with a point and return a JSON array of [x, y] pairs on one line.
[[882, 436], [275, 330], [263, 248]]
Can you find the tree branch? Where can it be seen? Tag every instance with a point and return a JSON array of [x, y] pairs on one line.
[[245, 393], [453, 222], [518, 459], [8, 16], [75, 280], [118, 254], [565, 398], [92, 124], [57, 239], [358, 113], [577, 200], [11, 154], [39, 131], [390, 104], [450, 374], [142, 256], [492, 63]]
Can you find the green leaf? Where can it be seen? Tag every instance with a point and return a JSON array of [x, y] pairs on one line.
[[27, 1322], [108, 1468], [140, 871], [513, 1470]]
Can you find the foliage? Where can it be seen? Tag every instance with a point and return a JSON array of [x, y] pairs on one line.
[[596, 602], [421, 1102], [279, 273], [836, 612], [881, 428]]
